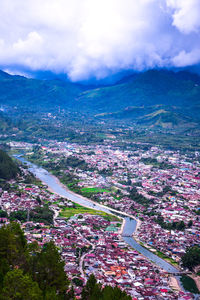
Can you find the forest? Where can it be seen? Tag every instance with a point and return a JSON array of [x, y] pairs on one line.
[[8, 168]]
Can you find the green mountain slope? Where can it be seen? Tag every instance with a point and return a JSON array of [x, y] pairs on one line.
[[21, 91], [8, 168], [5, 123], [153, 98], [160, 98], [149, 88], [166, 119]]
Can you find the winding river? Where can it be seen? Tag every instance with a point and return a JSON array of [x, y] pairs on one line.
[[130, 224]]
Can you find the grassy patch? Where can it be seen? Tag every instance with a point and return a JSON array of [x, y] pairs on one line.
[[167, 258], [189, 284], [68, 212], [94, 190], [161, 255]]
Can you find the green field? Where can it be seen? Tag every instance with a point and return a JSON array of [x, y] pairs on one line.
[[94, 190], [68, 212]]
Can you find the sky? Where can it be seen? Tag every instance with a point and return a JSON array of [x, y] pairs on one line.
[[86, 39]]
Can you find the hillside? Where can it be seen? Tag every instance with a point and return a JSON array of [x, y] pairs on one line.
[[160, 98], [148, 88], [153, 98], [162, 116], [8, 168], [5, 123], [32, 93]]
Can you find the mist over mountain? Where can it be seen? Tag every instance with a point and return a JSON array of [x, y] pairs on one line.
[[90, 39]]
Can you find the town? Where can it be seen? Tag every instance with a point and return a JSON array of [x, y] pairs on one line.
[[160, 188]]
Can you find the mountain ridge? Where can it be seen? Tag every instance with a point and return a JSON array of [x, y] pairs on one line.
[[131, 98]]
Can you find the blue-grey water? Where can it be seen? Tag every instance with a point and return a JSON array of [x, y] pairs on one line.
[[130, 224], [129, 228]]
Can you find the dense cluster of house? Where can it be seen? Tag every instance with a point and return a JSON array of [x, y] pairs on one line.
[[169, 180], [92, 245], [171, 242], [24, 197]]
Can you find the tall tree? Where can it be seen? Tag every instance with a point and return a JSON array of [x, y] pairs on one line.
[[92, 289], [49, 270], [191, 258], [8, 168], [17, 286], [13, 244], [115, 293]]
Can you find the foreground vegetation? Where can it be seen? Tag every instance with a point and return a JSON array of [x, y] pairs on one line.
[[28, 272]]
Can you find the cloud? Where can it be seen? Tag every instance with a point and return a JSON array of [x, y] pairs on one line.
[[187, 58], [97, 38], [186, 15]]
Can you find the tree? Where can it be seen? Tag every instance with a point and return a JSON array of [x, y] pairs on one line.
[[92, 289], [49, 270], [190, 223], [77, 281], [180, 225], [115, 293], [13, 244], [20, 287], [8, 169], [3, 214], [191, 258], [42, 271], [42, 214], [20, 215]]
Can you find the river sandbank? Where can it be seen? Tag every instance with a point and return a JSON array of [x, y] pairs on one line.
[[174, 283]]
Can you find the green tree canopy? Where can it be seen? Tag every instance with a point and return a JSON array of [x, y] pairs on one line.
[[191, 258], [94, 291], [13, 244], [20, 287], [8, 168], [49, 270]]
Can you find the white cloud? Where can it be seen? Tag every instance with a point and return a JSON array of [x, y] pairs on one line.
[[94, 38], [186, 15], [187, 58]]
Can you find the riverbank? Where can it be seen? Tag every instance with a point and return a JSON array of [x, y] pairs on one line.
[[122, 226], [129, 226], [95, 204], [172, 279], [137, 225], [174, 284]]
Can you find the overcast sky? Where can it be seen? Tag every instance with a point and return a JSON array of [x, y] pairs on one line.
[[97, 38]]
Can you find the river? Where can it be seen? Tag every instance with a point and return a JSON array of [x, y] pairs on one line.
[[130, 224]]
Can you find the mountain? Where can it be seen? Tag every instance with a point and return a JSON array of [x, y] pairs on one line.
[[170, 99], [149, 88], [153, 98], [20, 91], [5, 123]]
